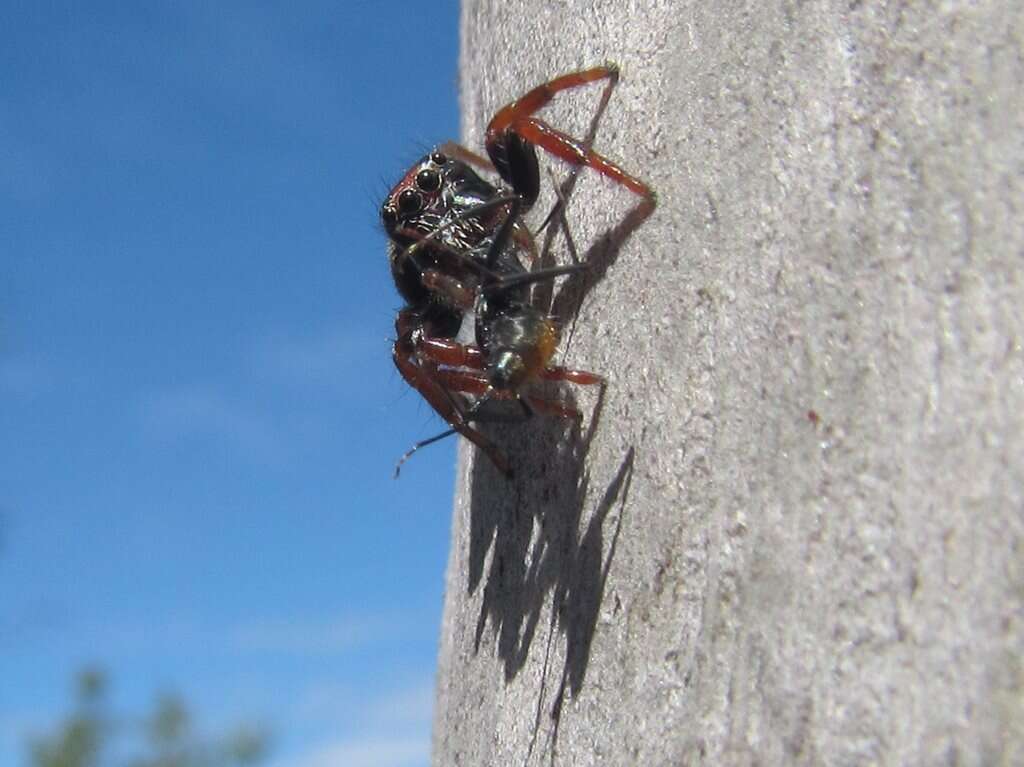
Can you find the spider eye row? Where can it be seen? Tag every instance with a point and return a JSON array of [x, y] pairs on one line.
[[410, 201]]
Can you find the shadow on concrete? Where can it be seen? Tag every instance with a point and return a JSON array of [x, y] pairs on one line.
[[541, 555], [531, 526], [577, 606], [533, 522]]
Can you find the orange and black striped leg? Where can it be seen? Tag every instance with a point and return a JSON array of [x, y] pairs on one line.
[[444, 351], [425, 379], [514, 125], [537, 98], [476, 384], [437, 386]]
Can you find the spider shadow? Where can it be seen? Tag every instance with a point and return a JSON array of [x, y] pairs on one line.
[[577, 601], [543, 546], [534, 521], [541, 543], [599, 258]]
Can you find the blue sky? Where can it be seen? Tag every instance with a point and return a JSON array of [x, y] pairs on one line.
[[198, 411]]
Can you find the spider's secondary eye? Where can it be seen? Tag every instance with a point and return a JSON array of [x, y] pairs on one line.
[[438, 158], [428, 180], [389, 217], [409, 202]]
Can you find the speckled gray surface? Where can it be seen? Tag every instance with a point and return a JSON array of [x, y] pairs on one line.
[[792, 534]]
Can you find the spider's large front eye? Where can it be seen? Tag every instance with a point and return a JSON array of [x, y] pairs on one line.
[[409, 202], [428, 180]]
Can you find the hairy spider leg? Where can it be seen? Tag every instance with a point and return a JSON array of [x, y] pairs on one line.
[[476, 383], [424, 379], [444, 351], [437, 385], [548, 406], [514, 125]]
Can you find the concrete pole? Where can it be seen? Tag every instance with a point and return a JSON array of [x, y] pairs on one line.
[[790, 531]]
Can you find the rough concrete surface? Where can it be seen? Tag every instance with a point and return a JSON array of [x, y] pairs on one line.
[[790, 531]]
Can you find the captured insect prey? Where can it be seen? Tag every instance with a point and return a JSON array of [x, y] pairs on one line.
[[458, 245]]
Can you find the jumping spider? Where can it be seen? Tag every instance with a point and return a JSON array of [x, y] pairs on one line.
[[455, 246]]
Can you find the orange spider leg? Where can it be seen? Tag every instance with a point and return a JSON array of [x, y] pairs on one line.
[[477, 384], [447, 352], [517, 118], [539, 97], [452, 353], [585, 377], [426, 380]]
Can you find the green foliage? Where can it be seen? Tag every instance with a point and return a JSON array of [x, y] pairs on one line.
[[88, 738], [79, 739]]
